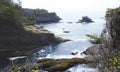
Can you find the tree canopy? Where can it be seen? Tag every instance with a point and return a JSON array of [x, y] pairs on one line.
[[10, 14]]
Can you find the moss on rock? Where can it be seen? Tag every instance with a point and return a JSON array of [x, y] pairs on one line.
[[51, 65]]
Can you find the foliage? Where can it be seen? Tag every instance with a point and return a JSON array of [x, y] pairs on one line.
[[95, 39], [110, 12], [39, 16], [30, 15], [10, 14], [13, 36]]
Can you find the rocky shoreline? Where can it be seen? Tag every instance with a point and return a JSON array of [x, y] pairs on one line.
[[38, 37], [50, 65]]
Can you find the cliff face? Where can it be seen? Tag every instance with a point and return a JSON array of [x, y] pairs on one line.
[[111, 46], [107, 54], [23, 41]]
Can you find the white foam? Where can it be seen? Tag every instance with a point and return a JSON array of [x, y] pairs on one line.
[[13, 58], [41, 51], [82, 68]]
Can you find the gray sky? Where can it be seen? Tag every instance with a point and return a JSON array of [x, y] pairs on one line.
[[73, 9], [68, 5]]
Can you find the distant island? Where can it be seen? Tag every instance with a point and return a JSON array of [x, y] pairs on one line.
[[85, 19], [39, 16]]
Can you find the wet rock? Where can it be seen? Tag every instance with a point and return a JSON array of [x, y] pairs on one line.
[[95, 50], [90, 50], [66, 31], [74, 53]]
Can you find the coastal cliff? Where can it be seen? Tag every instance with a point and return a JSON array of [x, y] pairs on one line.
[[39, 16], [107, 54], [15, 36], [11, 42]]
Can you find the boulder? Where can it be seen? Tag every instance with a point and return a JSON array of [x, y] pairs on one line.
[[74, 53], [91, 51], [94, 50], [85, 19]]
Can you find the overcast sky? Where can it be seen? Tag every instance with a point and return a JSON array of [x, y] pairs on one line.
[[67, 5], [73, 8]]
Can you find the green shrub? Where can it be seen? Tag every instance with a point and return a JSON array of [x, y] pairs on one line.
[[95, 39]]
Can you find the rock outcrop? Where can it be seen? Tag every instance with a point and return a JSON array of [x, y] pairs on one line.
[[94, 50], [40, 16], [66, 31], [21, 44], [48, 18], [51, 65], [85, 19]]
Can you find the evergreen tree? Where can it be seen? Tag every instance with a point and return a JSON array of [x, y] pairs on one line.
[[10, 14]]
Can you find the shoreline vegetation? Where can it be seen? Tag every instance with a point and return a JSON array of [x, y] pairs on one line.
[[38, 16], [18, 31]]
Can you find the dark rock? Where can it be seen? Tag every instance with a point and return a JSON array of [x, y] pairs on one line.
[[94, 50], [70, 22], [85, 19], [40, 16], [48, 18], [22, 43], [74, 53], [66, 31], [91, 51], [3, 63], [28, 24], [39, 27]]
